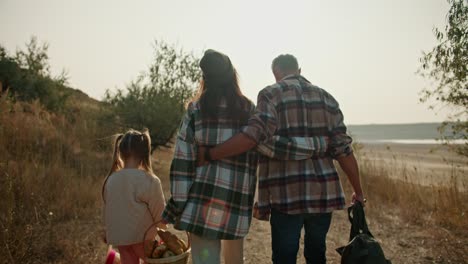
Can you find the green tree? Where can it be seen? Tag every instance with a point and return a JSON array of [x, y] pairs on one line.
[[27, 76], [447, 65], [35, 58], [157, 98]]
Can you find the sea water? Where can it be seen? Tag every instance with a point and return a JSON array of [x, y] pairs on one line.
[[417, 133]]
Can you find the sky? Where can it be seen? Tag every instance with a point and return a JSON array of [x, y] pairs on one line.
[[364, 52]]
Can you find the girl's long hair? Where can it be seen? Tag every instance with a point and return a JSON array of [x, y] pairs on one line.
[[211, 93], [132, 144]]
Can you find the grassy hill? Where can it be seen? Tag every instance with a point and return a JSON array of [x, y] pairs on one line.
[[51, 168]]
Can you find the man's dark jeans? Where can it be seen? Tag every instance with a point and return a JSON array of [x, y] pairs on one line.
[[286, 233]]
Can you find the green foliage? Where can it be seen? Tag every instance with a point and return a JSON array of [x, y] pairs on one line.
[[27, 76], [156, 99], [35, 59], [447, 65]]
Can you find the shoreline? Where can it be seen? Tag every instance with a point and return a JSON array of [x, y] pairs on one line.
[[434, 142]]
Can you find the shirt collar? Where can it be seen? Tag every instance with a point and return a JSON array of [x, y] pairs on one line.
[[296, 76]]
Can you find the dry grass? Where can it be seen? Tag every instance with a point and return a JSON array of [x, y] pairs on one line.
[[50, 174], [51, 168], [417, 202], [428, 219]]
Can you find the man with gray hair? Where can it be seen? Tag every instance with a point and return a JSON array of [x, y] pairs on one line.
[[296, 194]]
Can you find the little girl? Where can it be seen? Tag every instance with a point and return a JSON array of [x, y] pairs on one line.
[[132, 194]]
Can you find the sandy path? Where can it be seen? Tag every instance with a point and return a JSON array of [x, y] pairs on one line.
[[401, 242]]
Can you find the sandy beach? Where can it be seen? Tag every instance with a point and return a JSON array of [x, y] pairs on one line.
[[426, 164]]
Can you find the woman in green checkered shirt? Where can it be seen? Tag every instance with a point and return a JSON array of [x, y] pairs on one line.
[[213, 202]]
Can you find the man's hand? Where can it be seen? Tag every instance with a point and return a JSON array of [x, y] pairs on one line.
[[257, 215], [359, 198], [201, 156]]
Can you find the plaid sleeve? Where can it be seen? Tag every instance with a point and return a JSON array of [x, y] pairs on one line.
[[183, 168], [340, 142], [262, 124], [293, 148], [263, 199], [284, 148]]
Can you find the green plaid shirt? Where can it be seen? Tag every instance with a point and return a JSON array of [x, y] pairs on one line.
[[215, 201]]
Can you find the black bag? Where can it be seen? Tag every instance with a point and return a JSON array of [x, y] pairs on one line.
[[362, 247]]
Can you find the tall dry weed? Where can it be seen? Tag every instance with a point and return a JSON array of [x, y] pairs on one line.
[[50, 176], [392, 187]]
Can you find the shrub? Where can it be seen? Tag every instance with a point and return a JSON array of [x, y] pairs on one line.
[[156, 99], [27, 77]]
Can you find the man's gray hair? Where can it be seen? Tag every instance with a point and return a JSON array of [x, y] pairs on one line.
[[285, 63]]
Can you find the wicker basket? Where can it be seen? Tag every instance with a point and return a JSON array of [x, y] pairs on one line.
[[178, 259]]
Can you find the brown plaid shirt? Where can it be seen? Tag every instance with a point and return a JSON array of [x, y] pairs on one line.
[[293, 107]]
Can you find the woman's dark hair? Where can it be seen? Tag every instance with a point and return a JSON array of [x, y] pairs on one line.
[[220, 82]]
